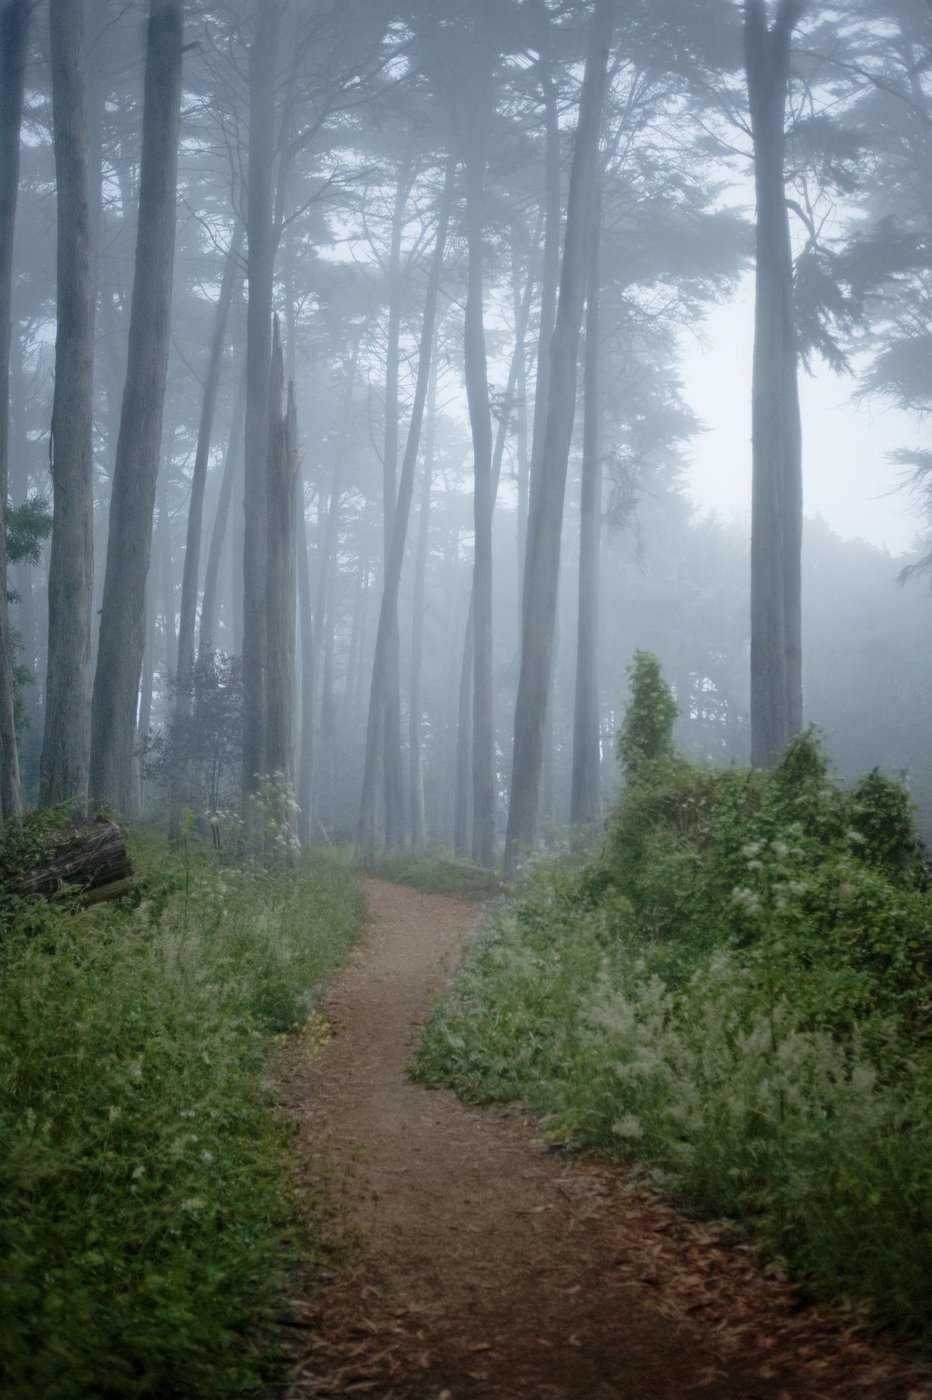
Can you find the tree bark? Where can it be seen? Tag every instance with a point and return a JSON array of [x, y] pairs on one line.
[[85, 858], [184, 674], [260, 233], [550, 278], [388, 613], [415, 717], [776, 498], [392, 767], [184, 671], [480, 423], [584, 791], [542, 571], [63, 768], [15, 16], [122, 623], [282, 563], [232, 466]]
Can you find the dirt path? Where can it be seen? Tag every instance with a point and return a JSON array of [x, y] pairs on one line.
[[471, 1261]]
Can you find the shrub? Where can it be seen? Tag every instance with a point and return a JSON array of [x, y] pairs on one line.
[[736, 992], [144, 1213]]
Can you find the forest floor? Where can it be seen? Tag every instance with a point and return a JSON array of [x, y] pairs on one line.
[[468, 1258]]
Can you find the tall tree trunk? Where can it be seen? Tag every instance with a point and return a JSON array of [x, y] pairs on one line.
[[776, 498], [392, 767], [542, 572], [184, 674], [281, 555], [462, 788], [584, 792], [521, 448], [146, 687], [480, 423], [14, 34], [232, 466], [321, 613], [260, 233], [122, 623], [388, 613], [63, 768], [184, 671], [415, 766], [309, 648], [550, 278]]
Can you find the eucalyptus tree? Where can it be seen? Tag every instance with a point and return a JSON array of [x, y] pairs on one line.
[[122, 624], [776, 508], [63, 774], [15, 17], [541, 574], [261, 245], [388, 615]]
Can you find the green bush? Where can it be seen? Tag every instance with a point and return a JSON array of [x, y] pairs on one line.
[[144, 1209], [736, 992]]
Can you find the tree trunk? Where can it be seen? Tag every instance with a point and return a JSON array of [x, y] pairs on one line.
[[184, 675], [550, 278], [14, 33], [542, 572], [260, 234], [87, 861], [388, 613], [321, 616], [281, 586], [63, 768], [480, 423], [122, 623], [584, 792], [462, 799], [232, 466], [776, 508], [392, 767], [415, 717], [184, 671], [309, 651]]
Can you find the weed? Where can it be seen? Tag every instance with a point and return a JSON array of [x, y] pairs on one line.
[[144, 1214]]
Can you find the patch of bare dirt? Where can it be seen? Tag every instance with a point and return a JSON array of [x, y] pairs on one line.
[[471, 1260]]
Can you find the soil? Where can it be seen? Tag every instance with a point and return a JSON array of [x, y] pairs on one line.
[[467, 1257]]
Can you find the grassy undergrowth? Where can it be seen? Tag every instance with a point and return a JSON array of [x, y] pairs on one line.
[[436, 872], [144, 1211], [735, 992]]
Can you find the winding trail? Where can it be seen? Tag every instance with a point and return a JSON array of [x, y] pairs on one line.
[[470, 1260]]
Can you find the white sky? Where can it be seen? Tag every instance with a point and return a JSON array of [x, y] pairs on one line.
[[847, 477]]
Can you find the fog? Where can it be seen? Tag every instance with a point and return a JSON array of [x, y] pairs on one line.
[[422, 399]]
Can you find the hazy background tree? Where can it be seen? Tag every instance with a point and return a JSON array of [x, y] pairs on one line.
[[122, 622], [63, 774]]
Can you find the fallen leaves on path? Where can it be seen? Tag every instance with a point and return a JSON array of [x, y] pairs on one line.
[[472, 1260]]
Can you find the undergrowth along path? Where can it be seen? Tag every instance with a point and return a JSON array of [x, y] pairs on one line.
[[471, 1259]]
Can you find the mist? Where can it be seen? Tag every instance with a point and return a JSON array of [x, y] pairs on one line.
[[414, 366]]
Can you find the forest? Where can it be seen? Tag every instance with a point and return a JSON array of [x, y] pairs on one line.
[[349, 536], [476, 510]]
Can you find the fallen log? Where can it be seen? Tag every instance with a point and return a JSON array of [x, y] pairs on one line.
[[87, 862]]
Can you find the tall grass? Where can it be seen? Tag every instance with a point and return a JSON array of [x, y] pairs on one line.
[[144, 1213]]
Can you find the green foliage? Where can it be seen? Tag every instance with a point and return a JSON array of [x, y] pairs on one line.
[[436, 872], [204, 744], [735, 991], [144, 1212], [27, 525], [647, 732]]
